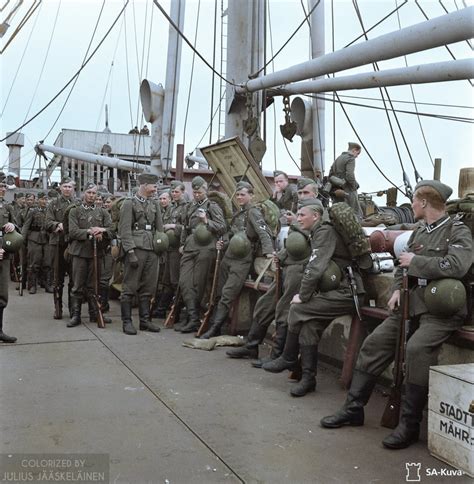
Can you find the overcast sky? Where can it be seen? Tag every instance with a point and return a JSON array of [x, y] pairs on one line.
[[31, 75]]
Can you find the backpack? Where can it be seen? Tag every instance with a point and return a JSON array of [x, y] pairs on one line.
[[115, 212], [350, 229], [66, 220], [224, 203], [271, 215]]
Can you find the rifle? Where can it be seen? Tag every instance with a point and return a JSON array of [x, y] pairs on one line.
[[353, 284], [391, 413], [58, 306], [278, 281], [207, 315], [100, 316], [171, 318]]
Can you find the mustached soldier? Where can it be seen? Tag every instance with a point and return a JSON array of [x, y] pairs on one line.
[[250, 236], [140, 218], [203, 224], [441, 248], [86, 222]]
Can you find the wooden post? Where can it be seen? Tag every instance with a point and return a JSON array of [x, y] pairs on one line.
[[437, 169], [179, 162]]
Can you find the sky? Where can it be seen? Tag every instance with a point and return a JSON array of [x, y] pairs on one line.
[[51, 47]]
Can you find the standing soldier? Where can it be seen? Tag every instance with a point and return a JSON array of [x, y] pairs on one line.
[[7, 221], [107, 265], [55, 226], [440, 249], [36, 237], [86, 222], [316, 304], [204, 223], [140, 218], [172, 223], [250, 237]]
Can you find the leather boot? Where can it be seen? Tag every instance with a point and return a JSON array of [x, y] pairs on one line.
[[104, 298], [288, 359], [4, 337], [352, 412], [408, 430], [309, 361], [144, 315], [48, 277], [250, 349], [93, 314], [58, 308], [76, 303], [32, 281], [126, 313], [182, 318], [218, 320], [277, 346], [162, 305], [193, 318]]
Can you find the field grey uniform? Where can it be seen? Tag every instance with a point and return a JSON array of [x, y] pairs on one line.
[[140, 218], [197, 259], [234, 270]]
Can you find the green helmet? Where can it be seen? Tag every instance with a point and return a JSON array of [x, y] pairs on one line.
[[331, 278], [173, 238], [297, 246], [160, 242], [12, 241], [445, 297], [239, 245], [201, 235]]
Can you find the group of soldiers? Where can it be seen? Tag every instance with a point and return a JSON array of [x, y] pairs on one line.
[[168, 247]]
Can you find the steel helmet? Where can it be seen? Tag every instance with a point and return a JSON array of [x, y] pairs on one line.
[[239, 245], [173, 238], [160, 242], [297, 245], [12, 241], [445, 297], [201, 235], [331, 278]]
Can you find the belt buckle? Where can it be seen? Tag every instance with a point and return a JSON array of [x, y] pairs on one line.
[[147, 227], [422, 282]]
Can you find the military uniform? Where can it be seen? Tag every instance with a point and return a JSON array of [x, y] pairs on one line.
[[140, 217], [344, 167], [247, 222], [81, 249], [287, 200]]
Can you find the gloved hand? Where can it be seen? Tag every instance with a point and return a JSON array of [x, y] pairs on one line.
[[132, 259]]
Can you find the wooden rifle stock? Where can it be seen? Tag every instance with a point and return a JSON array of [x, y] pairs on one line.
[[207, 316], [391, 413], [171, 318], [278, 288], [100, 316], [58, 310]]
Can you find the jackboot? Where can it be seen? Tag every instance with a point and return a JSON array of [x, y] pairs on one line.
[[182, 318], [193, 318], [277, 346], [32, 282], [93, 313], [407, 431], [75, 309], [58, 304], [4, 337], [309, 362], [352, 412], [218, 320], [162, 305], [104, 298], [250, 349], [48, 277], [144, 315], [126, 313], [288, 359]]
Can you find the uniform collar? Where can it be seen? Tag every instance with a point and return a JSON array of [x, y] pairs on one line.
[[88, 207], [436, 225], [140, 199]]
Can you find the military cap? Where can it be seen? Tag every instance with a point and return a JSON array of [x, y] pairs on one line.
[[147, 179], [66, 179], [41, 195], [441, 188], [311, 202], [19, 195], [278, 173], [52, 193], [354, 146], [177, 184], [90, 186], [198, 182], [243, 184], [302, 182]]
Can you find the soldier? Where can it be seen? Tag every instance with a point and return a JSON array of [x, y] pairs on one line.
[[107, 265], [55, 226], [305, 188], [343, 169], [440, 248], [140, 217], [316, 304], [250, 236], [172, 220], [292, 261], [7, 221], [203, 224], [86, 223], [18, 204], [284, 195], [35, 235]]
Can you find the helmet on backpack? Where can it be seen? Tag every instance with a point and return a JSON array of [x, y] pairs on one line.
[[445, 297], [331, 278]]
